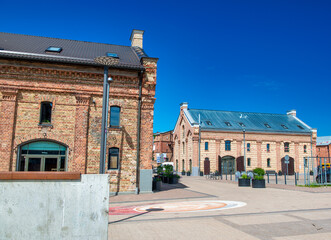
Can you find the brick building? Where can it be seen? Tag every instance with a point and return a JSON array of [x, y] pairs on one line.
[[163, 145], [51, 106], [268, 139], [323, 147]]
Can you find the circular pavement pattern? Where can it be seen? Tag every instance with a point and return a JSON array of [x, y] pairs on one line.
[[175, 207]]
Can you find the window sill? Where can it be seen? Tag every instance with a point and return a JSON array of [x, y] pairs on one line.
[[45, 125], [113, 128]]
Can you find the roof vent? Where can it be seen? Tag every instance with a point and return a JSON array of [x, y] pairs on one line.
[[114, 55]]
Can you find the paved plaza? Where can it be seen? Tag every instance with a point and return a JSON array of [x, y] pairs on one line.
[[199, 208]]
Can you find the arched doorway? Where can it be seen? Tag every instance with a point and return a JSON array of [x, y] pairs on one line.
[[42, 156], [206, 166], [240, 164], [228, 165], [190, 165], [290, 166]]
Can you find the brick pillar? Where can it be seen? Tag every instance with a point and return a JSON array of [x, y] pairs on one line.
[[7, 128], [218, 149], [81, 134], [278, 160], [259, 154], [296, 157], [195, 151]]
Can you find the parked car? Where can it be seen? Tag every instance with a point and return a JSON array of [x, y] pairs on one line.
[[321, 177]]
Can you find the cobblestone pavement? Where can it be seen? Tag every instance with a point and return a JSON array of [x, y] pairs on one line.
[[277, 212]]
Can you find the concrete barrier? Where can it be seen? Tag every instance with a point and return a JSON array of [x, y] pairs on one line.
[[55, 209]]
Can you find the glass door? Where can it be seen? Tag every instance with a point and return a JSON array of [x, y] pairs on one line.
[[51, 164], [34, 164]]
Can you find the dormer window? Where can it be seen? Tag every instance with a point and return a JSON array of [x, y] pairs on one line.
[[209, 123], [53, 49], [267, 125], [114, 55], [241, 124], [299, 126], [284, 126], [228, 124]]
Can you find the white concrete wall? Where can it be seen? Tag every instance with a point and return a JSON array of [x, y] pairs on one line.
[[55, 209]]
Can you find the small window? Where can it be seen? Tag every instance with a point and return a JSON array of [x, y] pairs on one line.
[[248, 162], [228, 124], [268, 162], [242, 125], [209, 123], [227, 145], [305, 148], [53, 49], [115, 116], [114, 55], [268, 147], [113, 158], [46, 112], [248, 147], [284, 126], [286, 147], [206, 145], [299, 126], [183, 147], [267, 125]]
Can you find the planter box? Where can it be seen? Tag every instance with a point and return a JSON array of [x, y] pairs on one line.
[[165, 179], [188, 174], [258, 183], [183, 173], [244, 182], [158, 185], [173, 180], [201, 174]]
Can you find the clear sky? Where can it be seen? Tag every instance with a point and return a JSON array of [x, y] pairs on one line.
[[254, 56]]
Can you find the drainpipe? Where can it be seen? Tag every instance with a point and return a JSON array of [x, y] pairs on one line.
[[199, 144], [138, 133]]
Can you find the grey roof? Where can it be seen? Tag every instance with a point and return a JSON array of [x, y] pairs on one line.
[[80, 52], [253, 122], [323, 141]]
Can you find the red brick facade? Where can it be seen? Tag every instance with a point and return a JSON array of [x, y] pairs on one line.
[[163, 143], [75, 92]]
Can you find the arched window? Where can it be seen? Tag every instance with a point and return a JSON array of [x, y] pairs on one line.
[[248, 162], [183, 147], [183, 165], [268, 162], [268, 147], [190, 165], [183, 133], [42, 156], [177, 165], [286, 147], [115, 116], [304, 148], [248, 147], [113, 158], [227, 145], [46, 112]]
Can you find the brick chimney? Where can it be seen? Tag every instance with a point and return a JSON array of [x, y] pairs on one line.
[[137, 38], [183, 105], [292, 112]]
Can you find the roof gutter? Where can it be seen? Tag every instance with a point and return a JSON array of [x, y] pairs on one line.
[[62, 59]]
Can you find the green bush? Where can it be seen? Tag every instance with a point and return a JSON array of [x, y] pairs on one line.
[[245, 176], [159, 170], [258, 177], [258, 171]]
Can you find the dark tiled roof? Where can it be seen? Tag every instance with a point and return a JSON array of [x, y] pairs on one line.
[[33, 47], [251, 121]]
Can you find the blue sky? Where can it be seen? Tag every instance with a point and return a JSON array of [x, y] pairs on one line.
[[254, 56]]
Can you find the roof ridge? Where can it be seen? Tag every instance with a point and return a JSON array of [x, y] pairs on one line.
[[237, 111], [66, 39]]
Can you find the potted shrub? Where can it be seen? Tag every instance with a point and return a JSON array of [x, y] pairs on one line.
[[157, 183], [201, 173], [173, 178], [183, 173], [280, 173], [188, 173], [258, 181], [244, 180]]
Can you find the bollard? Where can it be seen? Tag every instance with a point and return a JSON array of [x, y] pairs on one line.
[[268, 177], [276, 178], [285, 178], [231, 177]]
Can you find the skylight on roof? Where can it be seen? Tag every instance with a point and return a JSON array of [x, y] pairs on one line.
[[267, 125], [209, 123], [299, 126], [241, 124], [53, 49], [284, 126], [114, 55], [228, 124]]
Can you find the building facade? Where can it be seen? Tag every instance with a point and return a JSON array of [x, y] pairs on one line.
[[323, 147], [227, 138], [163, 146], [51, 94]]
